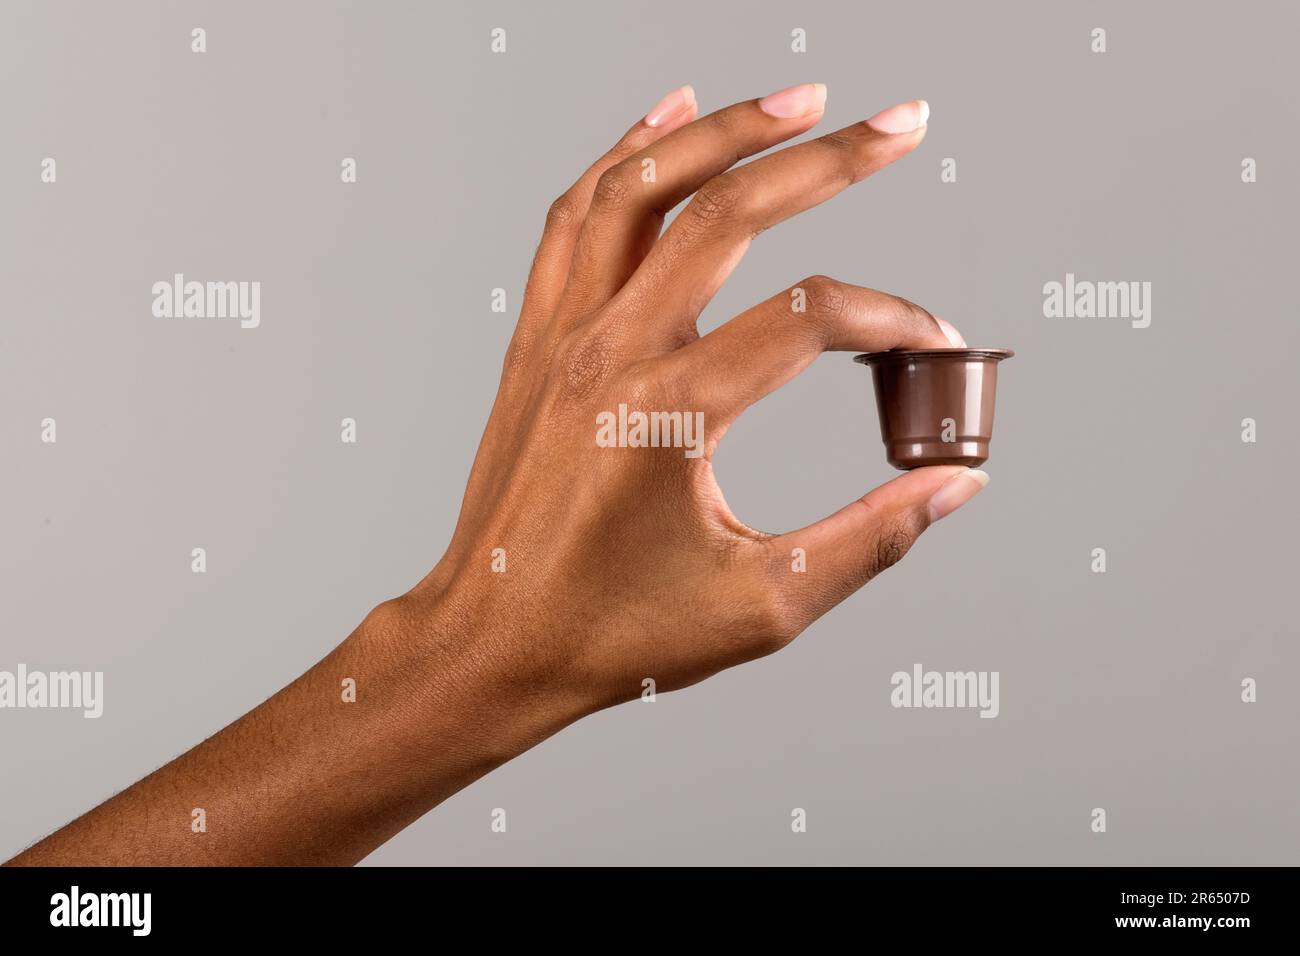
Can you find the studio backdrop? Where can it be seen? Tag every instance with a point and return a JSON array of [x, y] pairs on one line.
[[195, 509]]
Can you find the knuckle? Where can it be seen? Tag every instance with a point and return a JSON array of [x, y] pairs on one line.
[[827, 304], [613, 188], [563, 213], [652, 386], [910, 314], [718, 202], [840, 141], [724, 121], [846, 149], [823, 308], [629, 145], [584, 359], [640, 389], [825, 295], [892, 542]]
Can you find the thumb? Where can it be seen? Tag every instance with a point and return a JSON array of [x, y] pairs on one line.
[[849, 548]]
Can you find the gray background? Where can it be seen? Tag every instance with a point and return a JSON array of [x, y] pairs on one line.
[[1119, 690]]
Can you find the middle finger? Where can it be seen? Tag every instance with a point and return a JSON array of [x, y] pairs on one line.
[[710, 235]]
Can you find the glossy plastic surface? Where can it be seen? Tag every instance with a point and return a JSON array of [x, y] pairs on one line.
[[936, 405]]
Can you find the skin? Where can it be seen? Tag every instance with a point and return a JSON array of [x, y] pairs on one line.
[[622, 563]]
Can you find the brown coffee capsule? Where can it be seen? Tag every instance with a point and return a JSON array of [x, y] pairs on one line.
[[935, 405]]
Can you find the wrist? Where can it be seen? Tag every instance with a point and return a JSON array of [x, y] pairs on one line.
[[471, 687]]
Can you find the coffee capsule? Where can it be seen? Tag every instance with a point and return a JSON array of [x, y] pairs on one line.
[[935, 405]]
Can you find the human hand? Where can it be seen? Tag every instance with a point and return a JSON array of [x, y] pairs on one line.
[[577, 570]]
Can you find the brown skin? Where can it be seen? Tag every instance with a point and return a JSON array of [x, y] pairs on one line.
[[622, 563]]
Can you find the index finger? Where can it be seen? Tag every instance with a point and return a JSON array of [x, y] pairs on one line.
[[764, 347]]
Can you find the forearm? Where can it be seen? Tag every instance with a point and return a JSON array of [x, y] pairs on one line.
[[310, 778], [612, 561]]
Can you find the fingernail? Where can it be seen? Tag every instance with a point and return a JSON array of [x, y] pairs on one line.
[[902, 118], [950, 330], [795, 102], [671, 105], [956, 491]]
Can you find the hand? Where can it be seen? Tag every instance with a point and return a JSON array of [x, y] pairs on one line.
[[576, 570], [616, 564]]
